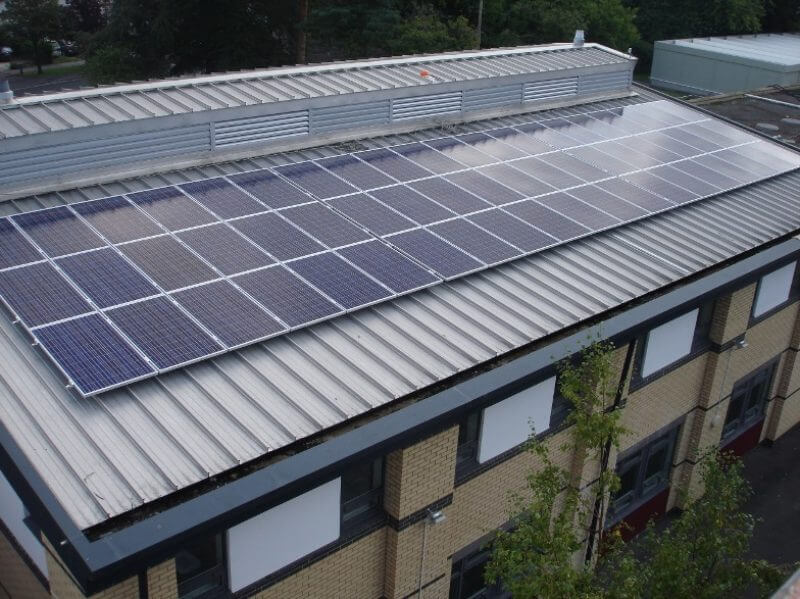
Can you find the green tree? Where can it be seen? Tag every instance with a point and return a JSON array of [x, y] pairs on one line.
[[426, 31], [33, 23]]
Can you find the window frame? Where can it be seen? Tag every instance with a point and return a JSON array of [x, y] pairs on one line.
[[369, 503], [746, 386], [794, 292], [218, 572], [479, 557]]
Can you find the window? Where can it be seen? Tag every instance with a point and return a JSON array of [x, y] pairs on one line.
[[466, 579], [776, 289], [467, 450], [362, 490], [200, 569], [747, 402], [643, 473]]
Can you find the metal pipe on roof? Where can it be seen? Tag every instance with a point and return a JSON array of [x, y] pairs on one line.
[[6, 93], [773, 101]]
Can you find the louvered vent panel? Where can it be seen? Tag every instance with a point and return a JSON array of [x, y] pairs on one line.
[[551, 88], [601, 82], [261, 128], [492, 97], [59, 160], [350, 116], [425, 106]]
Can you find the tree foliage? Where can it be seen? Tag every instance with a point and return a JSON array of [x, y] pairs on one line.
[[31, 24]]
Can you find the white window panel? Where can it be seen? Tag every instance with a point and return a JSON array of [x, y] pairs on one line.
[[508, 423], [774, 289], [268, 542], [669, 342]]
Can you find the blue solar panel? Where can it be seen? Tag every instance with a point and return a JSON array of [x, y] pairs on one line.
[[58, 231], [545, 219], [276, 235], [356, 172], [555, 178], [594, 196], [485, 188], [435, 253], [171, 208], [270, 189], [434, 161], [229, 314], [530, 145], [517, 180], [39, 294], [594, 155], [14, 248], [475, 241], [513, 230], [448, 195], [165, 334], [573, 166], [393, 164], [225, 249], [167, 262], [573, 208], [106, 277], [643, 156], [315, 180], [325, 225], [460, 152], [371, 214], [388, 266], [117, 219], [286, 296], [339, 280], [635, 195], [413, 205], [551, 137], [491, 146], [92, 354], [222, 198]]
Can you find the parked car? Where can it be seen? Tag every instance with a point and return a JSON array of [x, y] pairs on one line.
[[68, 48], [6, 53]]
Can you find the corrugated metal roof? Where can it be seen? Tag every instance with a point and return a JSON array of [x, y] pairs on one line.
[[109, 454], [116, 104], [779, 49]]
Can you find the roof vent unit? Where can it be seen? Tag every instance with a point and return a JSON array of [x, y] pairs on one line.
[[6, 95], [550, 89], [426, 106], [260, 129], [578, 40]]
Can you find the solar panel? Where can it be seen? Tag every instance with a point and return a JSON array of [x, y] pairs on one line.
[[413, 205], [543, 134], [225, 249], [661, 187], [435, 253], [58, 231], [460, 152], [448, 195], [315, 180], [635, 195], [117, 219], [554, 177], [388, 266], [512, 230], [371, 214], [475, 241], [594, 196], [165, 334], [491, 146], [167, 262], [339, 280], [270, 189], [277, 236], [228, 313], [393, 164], [695, 141], [171, 208], [545, 219], [592, 218], [593, 155], [222, 198], [517, 180], [325, 225], [711, 182], [485, 188], [14, 248], [577, 128], [633, 158], [661, 139], [530, 145], [92, 354], [422, 155], [38, 294], [286, 296], [722, 168], [356, 172], [106, 277]]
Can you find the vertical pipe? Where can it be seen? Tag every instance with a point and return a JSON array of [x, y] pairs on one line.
[[300, 39], [480, 23], [422, 557]]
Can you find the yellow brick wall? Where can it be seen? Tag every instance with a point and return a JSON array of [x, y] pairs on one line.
[[732, 314], [16, 579], [162, 582]]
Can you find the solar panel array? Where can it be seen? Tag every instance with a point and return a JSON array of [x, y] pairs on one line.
[[125, 287]]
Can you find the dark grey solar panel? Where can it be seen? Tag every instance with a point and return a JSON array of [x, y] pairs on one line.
[[594, 156], [610, 123], [457, 150], [581, 135], [276, 235], [517, 180], [393, 164], [325, 225], [388, 266], [657, 154], [270, 189], [222, 198], [225, 249], [590, 217], [712, 177], [546, 135], [673, 145], [485, 188], [339, 280], [721, 133], [594, 196], [449, 196], [746, 164], [635, 195], [491, 146], [573, 166], [435, 253], [315, 180], [92, 354], [167, 262], [475, 241], [512, 229], [371, 214], [434, 161], [286, 296], [636, 160], [58, 231], [775, 157], [693, 140], [684, 180], [661, 187], [106, 277], [39, 294], [171, 208], [117, 219], [14, 248], [228, 313], [724, 169], [519, 140], [165, 334], [356, 172], [413, 205], [548, 221]]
